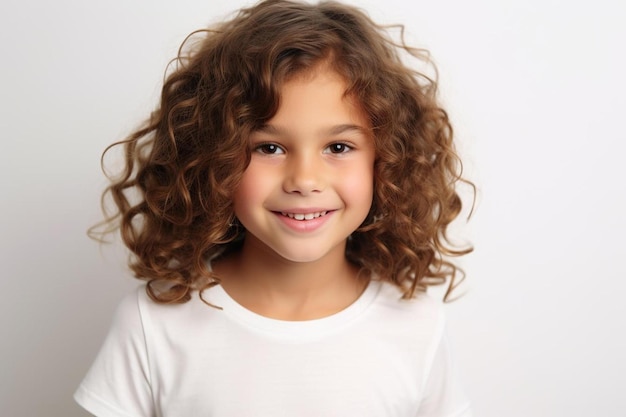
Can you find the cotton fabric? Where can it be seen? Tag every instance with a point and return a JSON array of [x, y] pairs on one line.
[[381, 356]]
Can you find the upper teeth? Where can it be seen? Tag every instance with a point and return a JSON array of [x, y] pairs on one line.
[[302, 216]]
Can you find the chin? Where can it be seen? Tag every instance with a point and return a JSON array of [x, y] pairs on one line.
[[301, 258], [307, 254]]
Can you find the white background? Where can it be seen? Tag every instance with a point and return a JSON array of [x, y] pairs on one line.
[[536, 91]]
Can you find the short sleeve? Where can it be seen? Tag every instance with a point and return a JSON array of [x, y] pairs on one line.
[[443, 394], [118, 382]]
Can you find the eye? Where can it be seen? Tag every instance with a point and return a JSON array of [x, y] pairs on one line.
[[269, 149], [339, 148]]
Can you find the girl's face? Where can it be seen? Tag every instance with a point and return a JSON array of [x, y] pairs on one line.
[[309, 184]]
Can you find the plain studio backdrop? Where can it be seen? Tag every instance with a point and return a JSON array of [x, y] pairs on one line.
[[535, 90]]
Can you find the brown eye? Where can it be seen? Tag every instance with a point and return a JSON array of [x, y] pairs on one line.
[[338, 148], [269, 149]]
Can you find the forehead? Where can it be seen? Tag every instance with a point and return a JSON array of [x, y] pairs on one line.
[[318, 94]]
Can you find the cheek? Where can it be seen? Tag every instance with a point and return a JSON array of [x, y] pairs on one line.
[[245, 193], [252, 190], [358, 186]]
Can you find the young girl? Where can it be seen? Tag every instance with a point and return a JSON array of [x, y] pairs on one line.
[[287, 205]]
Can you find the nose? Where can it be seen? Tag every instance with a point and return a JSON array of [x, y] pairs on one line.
[[304, 175]]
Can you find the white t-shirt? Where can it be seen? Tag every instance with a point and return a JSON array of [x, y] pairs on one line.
[[381, 356]]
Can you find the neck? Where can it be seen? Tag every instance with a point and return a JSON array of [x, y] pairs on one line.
[[264, 282]]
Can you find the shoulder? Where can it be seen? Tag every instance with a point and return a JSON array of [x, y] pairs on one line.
[[422, 307], [419, 320], [138, 313], [127, 314]]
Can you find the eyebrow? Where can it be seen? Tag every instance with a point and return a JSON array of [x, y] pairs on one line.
[[332, 131]]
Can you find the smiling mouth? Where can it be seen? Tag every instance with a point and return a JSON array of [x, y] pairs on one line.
[[304, 216]]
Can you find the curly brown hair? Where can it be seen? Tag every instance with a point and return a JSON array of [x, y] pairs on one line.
[[173, 198]]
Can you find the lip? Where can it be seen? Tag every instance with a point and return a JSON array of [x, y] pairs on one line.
[[303, 225], [303, 210]]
